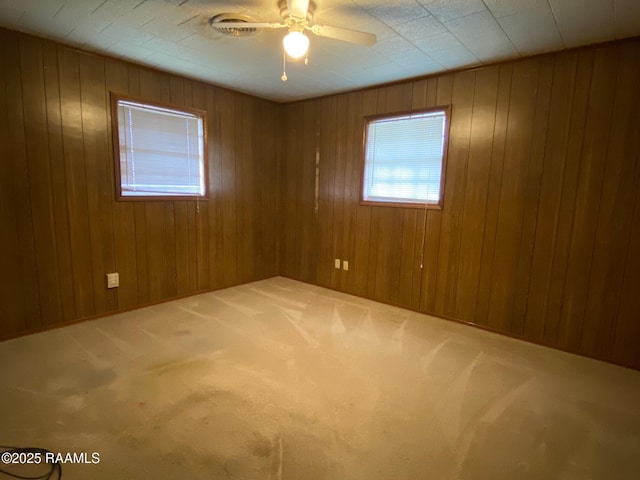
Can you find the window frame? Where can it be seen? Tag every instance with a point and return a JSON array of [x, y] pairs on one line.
[[115, 130], [421, 205]]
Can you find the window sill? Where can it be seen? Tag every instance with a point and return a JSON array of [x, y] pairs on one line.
[[421, 206]]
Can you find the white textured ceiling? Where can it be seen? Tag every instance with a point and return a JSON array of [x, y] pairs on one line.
[[415, 37]]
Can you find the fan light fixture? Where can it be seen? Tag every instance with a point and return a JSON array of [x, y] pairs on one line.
[[296, 44], [297, 16]]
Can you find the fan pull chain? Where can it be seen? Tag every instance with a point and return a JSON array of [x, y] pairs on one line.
[[284, 66]]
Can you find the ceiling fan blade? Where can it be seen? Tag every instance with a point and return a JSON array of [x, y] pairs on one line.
[[344, 34], [298, 8], [241, 25]]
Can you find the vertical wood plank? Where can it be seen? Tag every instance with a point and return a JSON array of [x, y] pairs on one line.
[[614, 215], [512, 193], [337, 277], [124, 226], [409, 264], [58, 182], [243, 133], [439, 92], [553, 171], [215, 209], [493, 194], [39, 170], [75, 173], [534, 168], [627, 326], [573, 156], [291, 250], [18, 309], [454, 192], [17, 153], [229, 188], [353, 164], [475, 201], [99, 177], [265, 188], [307, 220], [363, 245], [597, 129], [326, 169]]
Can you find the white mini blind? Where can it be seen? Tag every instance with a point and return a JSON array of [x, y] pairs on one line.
[[404, 158], [161, 151]]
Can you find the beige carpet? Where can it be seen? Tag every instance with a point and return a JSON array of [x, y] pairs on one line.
[[282, 380]]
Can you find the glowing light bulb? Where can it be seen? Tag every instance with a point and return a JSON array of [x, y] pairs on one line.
[[296, 44]]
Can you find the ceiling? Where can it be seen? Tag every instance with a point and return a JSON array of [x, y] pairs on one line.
[[415, 37]]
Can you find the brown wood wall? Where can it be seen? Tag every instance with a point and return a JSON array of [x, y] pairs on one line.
[[538, 236], [62, 229], [540, 231]]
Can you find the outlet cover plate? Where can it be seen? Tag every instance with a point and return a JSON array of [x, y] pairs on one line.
[[113, 280]]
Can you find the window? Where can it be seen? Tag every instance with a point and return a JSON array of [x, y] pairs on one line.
[[404, 159], [159, 150]]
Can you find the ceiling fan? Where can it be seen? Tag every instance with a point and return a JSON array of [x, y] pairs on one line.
[[297, 16]]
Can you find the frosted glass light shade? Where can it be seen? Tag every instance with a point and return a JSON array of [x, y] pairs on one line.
[[296, 44]]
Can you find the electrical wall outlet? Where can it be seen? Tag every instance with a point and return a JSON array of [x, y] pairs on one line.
[[345, 265], [336, 263], [113, 280]]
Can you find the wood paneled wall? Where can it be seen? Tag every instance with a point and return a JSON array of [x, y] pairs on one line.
[[540, 231], [538, 237], [62, 229]]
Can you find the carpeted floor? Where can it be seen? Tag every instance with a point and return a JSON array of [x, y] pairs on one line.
[[282, 380]]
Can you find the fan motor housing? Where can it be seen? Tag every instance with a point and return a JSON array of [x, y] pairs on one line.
[[284, 11]]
